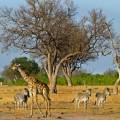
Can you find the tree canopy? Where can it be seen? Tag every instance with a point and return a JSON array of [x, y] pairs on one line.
[[30, 67], [49, 30]]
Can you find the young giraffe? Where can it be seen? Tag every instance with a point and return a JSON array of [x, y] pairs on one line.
[[35, 87]]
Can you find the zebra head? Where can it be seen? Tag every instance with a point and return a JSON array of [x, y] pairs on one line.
[[107, 91], [88, 91], [26, 92]]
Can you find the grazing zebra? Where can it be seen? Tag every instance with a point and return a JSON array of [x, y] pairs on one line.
[[21, 98], [82, 98], [101, 97]]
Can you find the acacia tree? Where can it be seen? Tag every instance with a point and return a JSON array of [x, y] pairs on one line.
[[49, 31], [75, 63], [96, 30]]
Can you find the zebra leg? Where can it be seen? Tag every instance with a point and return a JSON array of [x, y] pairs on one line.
[[78, 103], [75, 103], [25, 105], [48, 106], [32, 102], [18, 105], [98, 103], [22, 105], [101, 103], [15, 105], [85, 104]]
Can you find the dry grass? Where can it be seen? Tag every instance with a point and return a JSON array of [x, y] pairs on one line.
[[61, 102]]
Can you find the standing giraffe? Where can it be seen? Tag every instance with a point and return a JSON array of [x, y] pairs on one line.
[[35, 87]]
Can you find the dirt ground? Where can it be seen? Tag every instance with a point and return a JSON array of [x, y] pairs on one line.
[[61, 105]]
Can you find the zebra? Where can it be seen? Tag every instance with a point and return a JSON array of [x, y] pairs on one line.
[[21, 98], [101, 97], [82, 98]]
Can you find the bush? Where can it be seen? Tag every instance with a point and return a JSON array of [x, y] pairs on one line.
[[61, 81], [1, 79], [20, 82], [82, 79], [42, 77]]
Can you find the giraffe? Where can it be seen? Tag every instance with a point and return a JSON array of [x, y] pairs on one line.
[[35, 87]]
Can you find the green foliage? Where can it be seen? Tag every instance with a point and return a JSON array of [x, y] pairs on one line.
[[89, 79], [42, 77], [61, 81], [82, 79], [9, 74], [18, 82], [97, 79], [1, 79], [12, 82], [29, 66]]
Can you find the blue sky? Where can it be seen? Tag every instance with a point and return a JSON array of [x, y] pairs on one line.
[[111, 9]]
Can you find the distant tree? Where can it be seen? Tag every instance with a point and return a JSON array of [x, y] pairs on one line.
[[94, 29], [110, 72], [115, 48], [30, 67], [8, 74], [116, 56], [1, 79]]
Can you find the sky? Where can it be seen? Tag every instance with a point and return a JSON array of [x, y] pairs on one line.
[[111, 9]]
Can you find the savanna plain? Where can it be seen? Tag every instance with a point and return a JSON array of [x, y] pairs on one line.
[[61, 105]]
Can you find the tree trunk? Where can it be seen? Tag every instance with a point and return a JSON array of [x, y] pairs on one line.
[[69, 81], [68, 78], [116, 54], [117, 81], [53, 86], [52, 69]]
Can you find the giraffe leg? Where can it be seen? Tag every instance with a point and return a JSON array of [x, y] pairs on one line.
[[36, 99], [32, 102], [46, 112], [47, 101], [48, 106]]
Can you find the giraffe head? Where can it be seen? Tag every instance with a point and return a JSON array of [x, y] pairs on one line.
[[15, 66]]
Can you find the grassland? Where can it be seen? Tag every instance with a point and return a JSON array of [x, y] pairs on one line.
[[61, 106]]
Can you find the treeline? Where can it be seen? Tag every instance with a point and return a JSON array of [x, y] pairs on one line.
[[31, 68], [90, 79], [82, 79]]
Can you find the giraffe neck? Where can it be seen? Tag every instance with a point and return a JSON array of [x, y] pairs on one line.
[[24, 75], [30, 80]]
